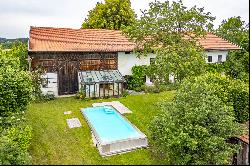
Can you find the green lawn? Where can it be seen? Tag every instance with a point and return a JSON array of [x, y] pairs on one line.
[[54, 143]]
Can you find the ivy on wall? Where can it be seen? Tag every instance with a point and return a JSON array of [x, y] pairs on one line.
[[137, 80]]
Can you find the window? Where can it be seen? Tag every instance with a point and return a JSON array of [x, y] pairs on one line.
[[98, 64], [109, 64], [152, 61], [90, 64], [127, 52], [219, 58], [209, 58], [45, 82]]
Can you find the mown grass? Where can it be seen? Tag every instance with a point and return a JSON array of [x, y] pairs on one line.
[[54, 143]]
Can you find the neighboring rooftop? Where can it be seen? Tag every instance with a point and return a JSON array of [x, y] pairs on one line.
[[245, 137], [99, 40]]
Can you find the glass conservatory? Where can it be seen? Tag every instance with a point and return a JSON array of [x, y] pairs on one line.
[[101, 84]]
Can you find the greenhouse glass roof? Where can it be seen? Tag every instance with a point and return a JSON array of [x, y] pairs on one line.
[[104, 76]]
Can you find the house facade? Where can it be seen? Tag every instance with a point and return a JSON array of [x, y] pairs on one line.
[[95, 59]]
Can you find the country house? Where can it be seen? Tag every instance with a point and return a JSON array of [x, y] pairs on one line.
[[96, 59]]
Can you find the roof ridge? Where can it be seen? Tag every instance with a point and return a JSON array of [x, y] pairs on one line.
[[81, 29], [82, 42], [66, 39], [71, 39]]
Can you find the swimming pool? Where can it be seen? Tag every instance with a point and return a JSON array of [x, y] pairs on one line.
[[112, 132]]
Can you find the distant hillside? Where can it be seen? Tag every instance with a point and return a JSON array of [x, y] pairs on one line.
[[7, 43]]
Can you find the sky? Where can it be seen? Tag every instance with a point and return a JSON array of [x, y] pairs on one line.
[[16, 16]]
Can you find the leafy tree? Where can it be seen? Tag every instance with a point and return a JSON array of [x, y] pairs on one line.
[[194, 128], [15, 91], [180, 61], [230, 91], [18, 51], [16, 88], [15, 94], [237, 31], [237, 65], [171, 31], [113, 14]]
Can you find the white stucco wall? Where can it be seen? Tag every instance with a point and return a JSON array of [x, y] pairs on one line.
[[127, 61], [215, 54]]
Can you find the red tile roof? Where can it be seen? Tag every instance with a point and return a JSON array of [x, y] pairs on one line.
[[245, 137], [99, 40]]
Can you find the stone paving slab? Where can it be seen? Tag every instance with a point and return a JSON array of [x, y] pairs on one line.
[[116, 104], [74, 122], [67, 112]]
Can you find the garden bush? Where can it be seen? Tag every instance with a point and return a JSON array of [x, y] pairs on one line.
[[231, 91], [237, 65], [15, 94], [238, 95], [20, 135], [47, 97], [194, 128], [15, 91], [36, 83], [151, 89], [137, 80], [11, 154], [157, 88], [18, 52], [125, 93], [81, 94], [215, 67]]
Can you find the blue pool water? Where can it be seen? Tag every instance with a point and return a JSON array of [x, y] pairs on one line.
[[109, 124]]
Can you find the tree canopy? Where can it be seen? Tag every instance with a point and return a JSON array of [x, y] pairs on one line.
[[113, 14], [171, 30], [195, 127], [236, 31], [15, 94]]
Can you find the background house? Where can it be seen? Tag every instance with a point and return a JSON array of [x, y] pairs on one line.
[[98, 58]]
